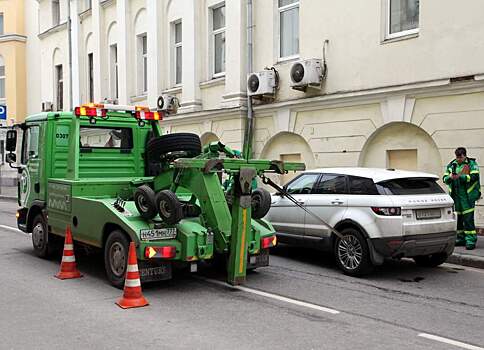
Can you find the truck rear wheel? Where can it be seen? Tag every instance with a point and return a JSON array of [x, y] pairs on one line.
[[169, 207], [40, 237], [144, 199], [178, 145], [116, 257]]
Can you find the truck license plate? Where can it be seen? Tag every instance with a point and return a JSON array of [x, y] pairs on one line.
[[424, 214], [157, 233]]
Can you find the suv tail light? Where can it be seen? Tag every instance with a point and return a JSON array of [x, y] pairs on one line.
[[387, 211]]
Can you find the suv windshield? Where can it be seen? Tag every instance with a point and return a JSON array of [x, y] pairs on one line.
[[409, 186]]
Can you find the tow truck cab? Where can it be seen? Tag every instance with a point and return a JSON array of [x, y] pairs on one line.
[[80, 169]]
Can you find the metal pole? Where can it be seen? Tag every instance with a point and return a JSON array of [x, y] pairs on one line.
[[247, 150], [69, 39]]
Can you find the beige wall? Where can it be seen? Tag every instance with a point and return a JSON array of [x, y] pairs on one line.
[[12, 49]]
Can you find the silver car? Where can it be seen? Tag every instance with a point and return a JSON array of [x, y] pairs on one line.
[[382, 213]]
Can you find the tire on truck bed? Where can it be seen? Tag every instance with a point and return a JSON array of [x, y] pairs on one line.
[[160, 146]]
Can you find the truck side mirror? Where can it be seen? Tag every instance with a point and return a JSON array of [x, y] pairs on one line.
[[11, 141], [11, 158]]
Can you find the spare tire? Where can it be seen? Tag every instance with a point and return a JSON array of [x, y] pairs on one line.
[[169, 207], [261, 203], [187, 143], [144, 199]]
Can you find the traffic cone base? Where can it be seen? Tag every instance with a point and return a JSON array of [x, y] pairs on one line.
[[68, 268], [132, 295]]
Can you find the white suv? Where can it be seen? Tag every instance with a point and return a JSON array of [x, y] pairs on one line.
[[383, 213]]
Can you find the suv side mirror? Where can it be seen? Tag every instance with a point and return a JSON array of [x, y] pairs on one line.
[[11, 141], [11, 158]]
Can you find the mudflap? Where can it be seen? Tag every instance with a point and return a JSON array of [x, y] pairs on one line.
[[152, 271], [259, 260]]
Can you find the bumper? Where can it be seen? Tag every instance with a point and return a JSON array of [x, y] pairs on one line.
[[415, 245]]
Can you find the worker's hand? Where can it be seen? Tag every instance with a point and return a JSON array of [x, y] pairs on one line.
[[454, 176]]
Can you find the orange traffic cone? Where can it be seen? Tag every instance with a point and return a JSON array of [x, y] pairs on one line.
[[132, 296], [68, 268]]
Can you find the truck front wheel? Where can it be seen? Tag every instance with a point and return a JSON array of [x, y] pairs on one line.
[[40, 237], [116, 257]]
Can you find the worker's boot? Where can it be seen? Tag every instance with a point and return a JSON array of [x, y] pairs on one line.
[[471, 240], [460, 240]]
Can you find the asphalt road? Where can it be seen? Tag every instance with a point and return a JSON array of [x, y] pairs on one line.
[[300, 302]]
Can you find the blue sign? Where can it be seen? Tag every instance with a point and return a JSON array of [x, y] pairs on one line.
[[3, 112]]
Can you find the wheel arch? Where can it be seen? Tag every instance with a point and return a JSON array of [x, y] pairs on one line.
[[110, 227], [38, 207], [348, 223]]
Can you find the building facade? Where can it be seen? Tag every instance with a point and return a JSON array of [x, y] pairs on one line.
[[404, 84], [13, 41]]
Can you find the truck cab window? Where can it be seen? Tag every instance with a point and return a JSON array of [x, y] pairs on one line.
[[97, 137], [30, 144]]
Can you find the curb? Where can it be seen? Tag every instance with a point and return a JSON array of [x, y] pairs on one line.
[[8, 198], [466, 260]]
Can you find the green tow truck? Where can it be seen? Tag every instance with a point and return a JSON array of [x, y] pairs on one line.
[[110, 173]]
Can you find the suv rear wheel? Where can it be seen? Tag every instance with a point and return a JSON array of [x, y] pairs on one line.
[[352, 253], [432, 260]]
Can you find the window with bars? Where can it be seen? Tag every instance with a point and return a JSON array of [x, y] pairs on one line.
[[177, 52], [113, 71], [288, 14], [59, 86], [55, 13], [218, 39], [402, 17], [142, 64], [90, 70], [2, 81]]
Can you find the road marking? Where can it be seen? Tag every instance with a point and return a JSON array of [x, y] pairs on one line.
[[275, 297], [450, 341], [14, 229]]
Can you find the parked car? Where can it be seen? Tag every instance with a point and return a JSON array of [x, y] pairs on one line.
[[382, 213]]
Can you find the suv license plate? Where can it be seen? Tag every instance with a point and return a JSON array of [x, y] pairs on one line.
[[157, 233], [424, 214]]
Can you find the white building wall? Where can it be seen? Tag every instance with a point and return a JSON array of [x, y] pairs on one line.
[[421, 92]]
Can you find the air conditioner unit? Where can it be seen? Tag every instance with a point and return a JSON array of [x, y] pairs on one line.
[[263, 83], [307, 73], [47, 106], [168, 103]]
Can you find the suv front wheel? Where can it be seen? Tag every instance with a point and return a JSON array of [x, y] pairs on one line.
[[352, 253]]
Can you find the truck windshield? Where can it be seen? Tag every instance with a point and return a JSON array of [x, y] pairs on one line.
[[102, 137], [409, 186]]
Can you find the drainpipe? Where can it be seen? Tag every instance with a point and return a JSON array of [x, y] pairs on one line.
[[69, 40], [247, 150]]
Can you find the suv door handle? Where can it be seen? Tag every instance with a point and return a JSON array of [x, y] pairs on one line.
[[337, 203], [301, 202]]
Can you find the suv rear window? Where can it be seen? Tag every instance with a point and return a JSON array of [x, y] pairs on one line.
[[409, 186]]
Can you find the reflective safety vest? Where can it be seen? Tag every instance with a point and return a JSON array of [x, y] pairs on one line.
[[469, 183]]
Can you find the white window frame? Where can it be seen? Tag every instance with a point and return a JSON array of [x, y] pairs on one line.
[[403, 33], [175, 46], [278, 31], [90, 77], [142, 65], [56, 12], [213, 33], [113, 72], [58, 80], [2, 23], [3, 99]]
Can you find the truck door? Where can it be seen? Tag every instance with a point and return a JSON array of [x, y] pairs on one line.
[[29, 185]]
